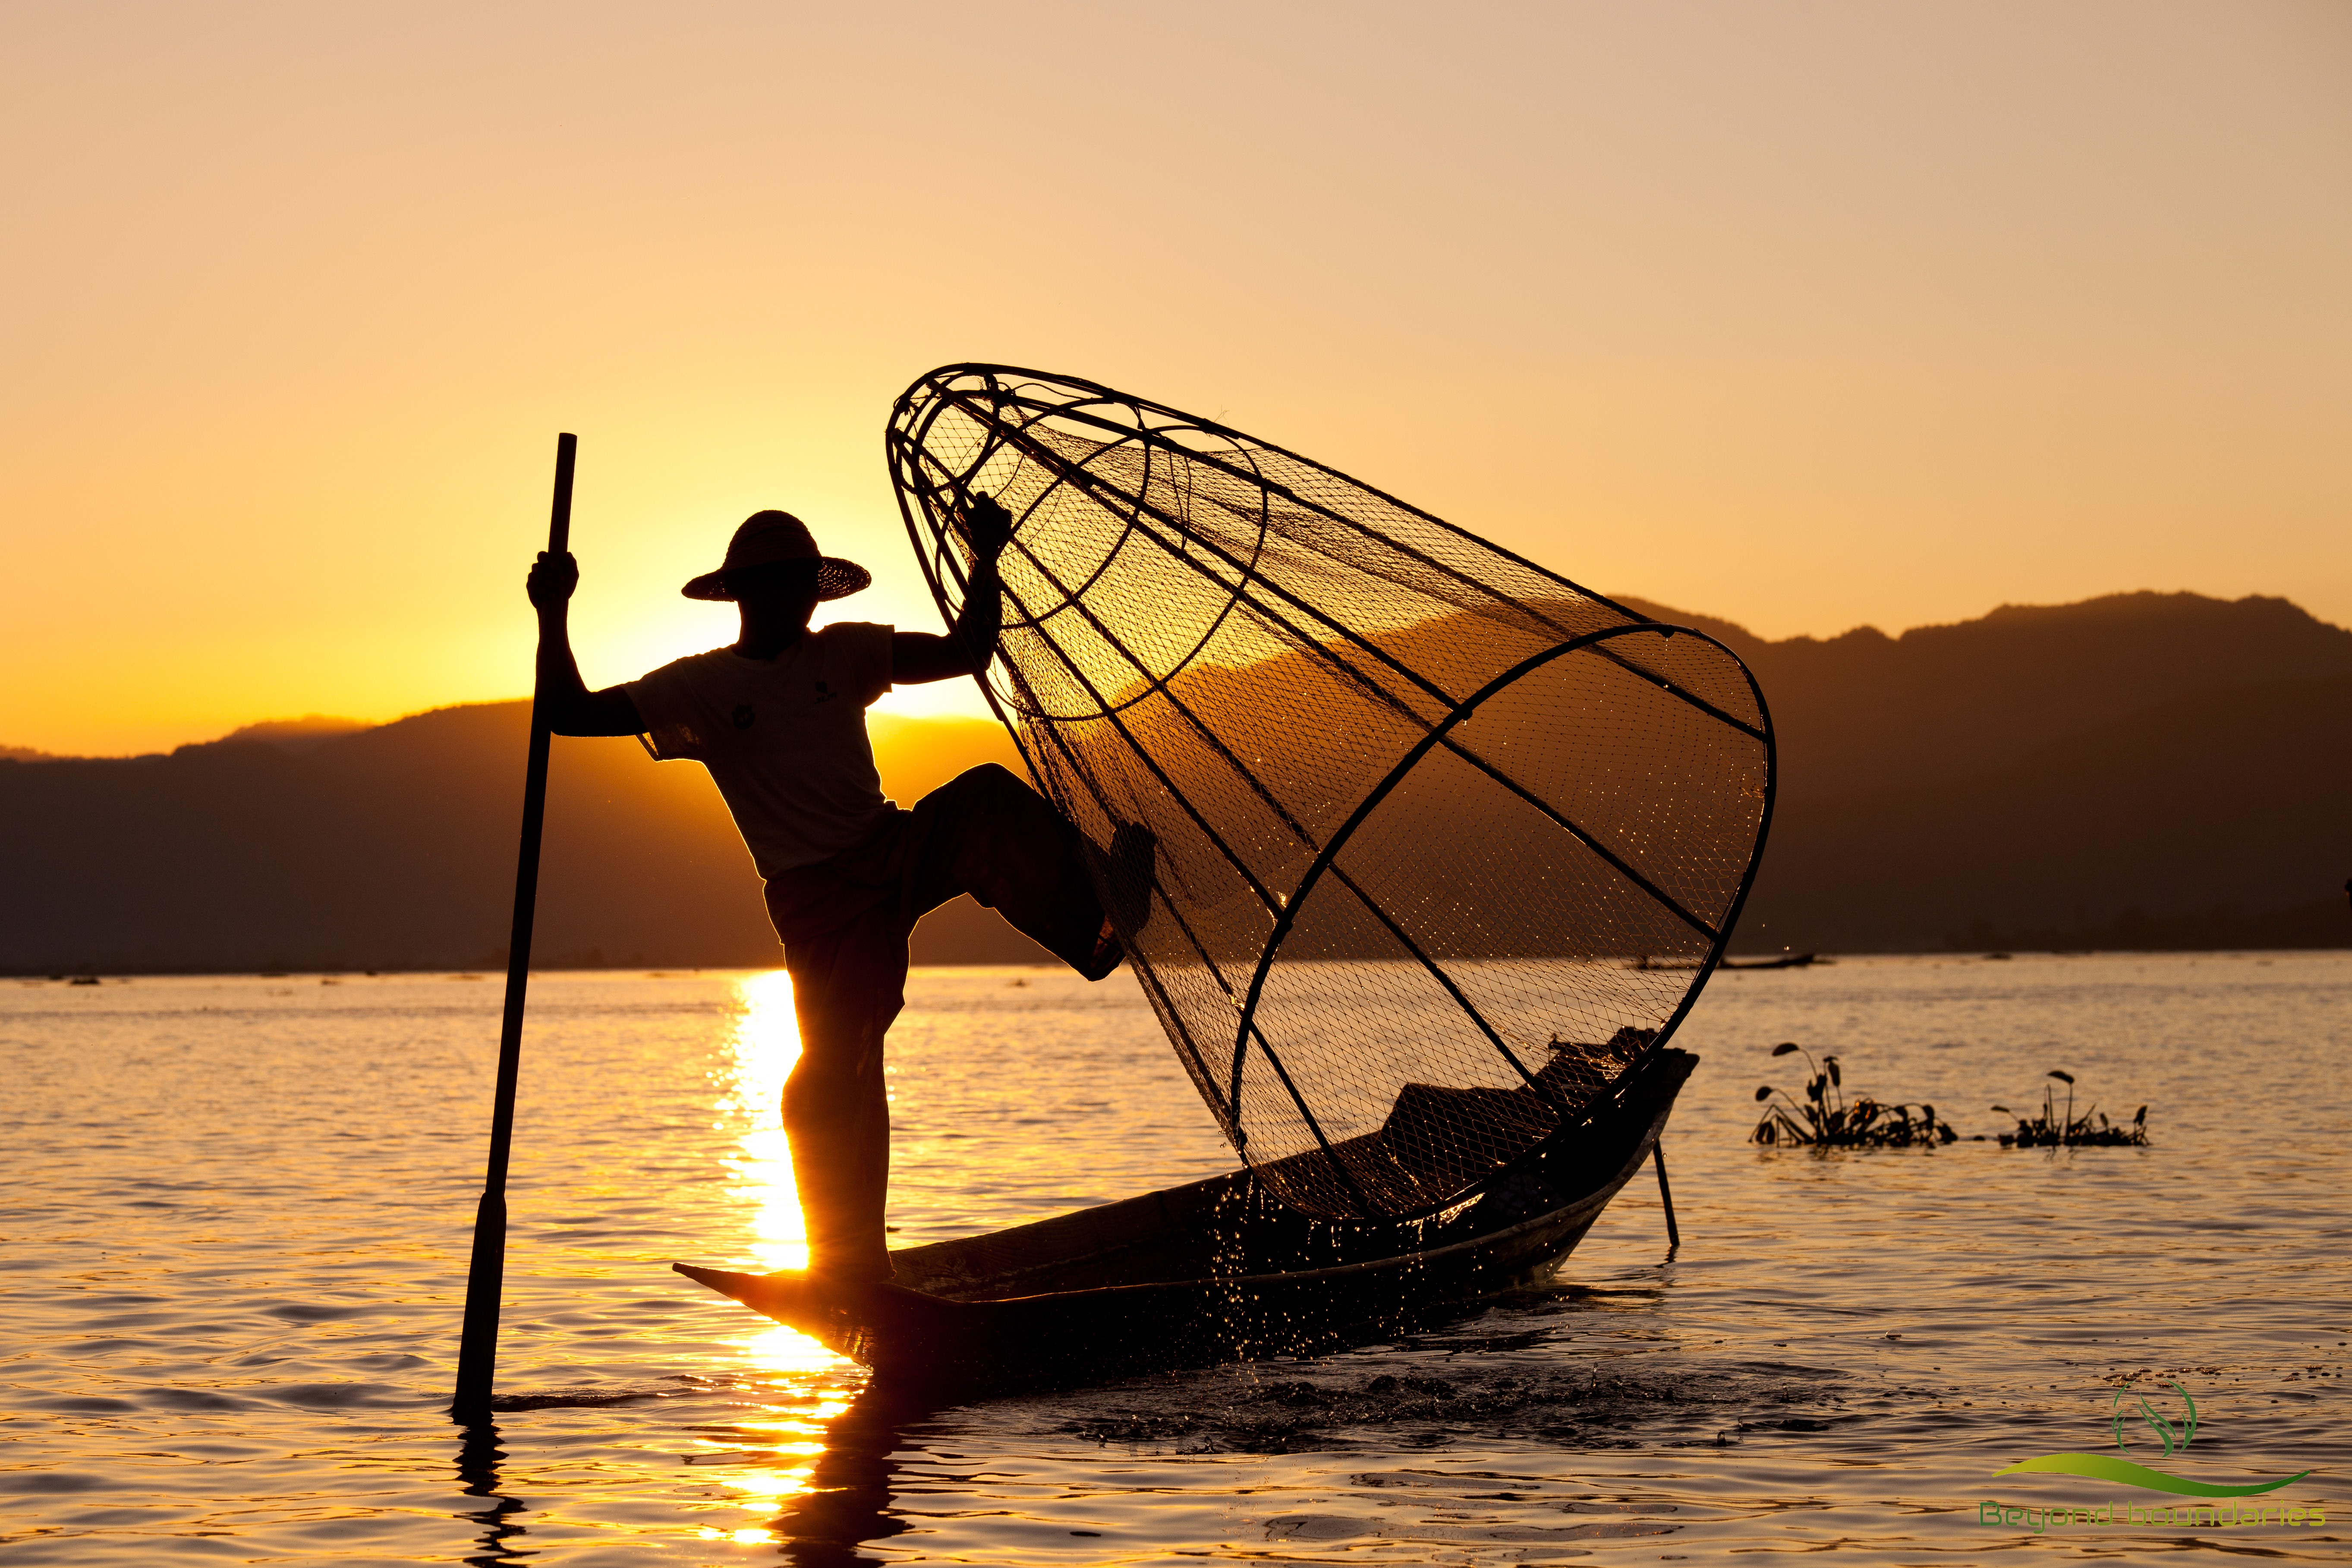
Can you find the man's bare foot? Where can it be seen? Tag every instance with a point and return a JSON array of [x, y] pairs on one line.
[[1109, 954], [860, 1270]]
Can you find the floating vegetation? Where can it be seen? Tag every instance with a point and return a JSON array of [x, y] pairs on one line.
[[2058, 1128], [1824, 1118]]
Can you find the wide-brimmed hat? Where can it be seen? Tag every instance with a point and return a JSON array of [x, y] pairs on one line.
[[768, 537]]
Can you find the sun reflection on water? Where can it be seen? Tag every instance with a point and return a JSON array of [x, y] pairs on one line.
[[765, 1046], [761, 1050]]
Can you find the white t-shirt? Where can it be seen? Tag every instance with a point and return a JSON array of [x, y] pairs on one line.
[[784, 738]]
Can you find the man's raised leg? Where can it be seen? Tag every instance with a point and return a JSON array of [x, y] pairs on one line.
[[986, 832]]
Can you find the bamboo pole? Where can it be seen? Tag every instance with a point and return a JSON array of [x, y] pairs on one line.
[[478, 1346], [1665, 1194]]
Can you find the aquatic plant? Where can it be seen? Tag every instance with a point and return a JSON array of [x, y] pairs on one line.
[[2058, 1128], [1824, 1118]]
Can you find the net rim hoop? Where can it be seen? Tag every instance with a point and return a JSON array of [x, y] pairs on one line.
[[934, 381], [1063, 471], [1328, 854]]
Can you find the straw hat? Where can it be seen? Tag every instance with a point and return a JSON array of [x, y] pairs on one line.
[[768, 537]]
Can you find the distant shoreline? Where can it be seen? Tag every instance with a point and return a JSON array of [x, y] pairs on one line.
[[567, 966]]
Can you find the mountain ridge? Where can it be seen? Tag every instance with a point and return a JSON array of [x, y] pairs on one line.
[[2143, 769], [2007, 680]]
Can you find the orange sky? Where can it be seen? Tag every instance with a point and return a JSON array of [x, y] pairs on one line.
[[1806, 315]]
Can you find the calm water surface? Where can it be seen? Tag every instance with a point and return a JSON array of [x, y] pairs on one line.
[[235, 1211]]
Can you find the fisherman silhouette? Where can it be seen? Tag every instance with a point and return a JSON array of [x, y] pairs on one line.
[[848, 872]]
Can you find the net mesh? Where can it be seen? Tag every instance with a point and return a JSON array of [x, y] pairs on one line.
[[1438, 845]]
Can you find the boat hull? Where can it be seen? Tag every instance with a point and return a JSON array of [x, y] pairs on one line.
[[966, 1331]]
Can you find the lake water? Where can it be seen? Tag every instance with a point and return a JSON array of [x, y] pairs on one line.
[[234, 1218]]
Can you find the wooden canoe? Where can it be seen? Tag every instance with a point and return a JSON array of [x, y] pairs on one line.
[[1217, 1270]]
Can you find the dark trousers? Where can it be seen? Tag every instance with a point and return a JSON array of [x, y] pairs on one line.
[[845, 923]]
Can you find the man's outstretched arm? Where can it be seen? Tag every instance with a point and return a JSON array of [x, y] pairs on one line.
[[919, 656], [566, 703]]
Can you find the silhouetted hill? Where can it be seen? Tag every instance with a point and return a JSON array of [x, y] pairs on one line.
[[393, 847], [298, 734], [1863, 709], [2122, 772], [2216, 818], [2144, 770]]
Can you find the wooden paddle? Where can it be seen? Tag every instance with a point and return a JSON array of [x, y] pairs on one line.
[[478, 1347]]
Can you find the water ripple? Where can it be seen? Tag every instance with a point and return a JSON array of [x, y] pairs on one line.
[[236, 1224]]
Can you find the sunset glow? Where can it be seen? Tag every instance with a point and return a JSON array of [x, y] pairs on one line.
[[1805, 317], [1386, 609]]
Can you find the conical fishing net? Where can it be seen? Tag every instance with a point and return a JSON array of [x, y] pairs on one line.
[[1416, 846]]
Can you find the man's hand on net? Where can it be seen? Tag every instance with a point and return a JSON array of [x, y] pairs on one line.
[[551, 581], [987, 526]]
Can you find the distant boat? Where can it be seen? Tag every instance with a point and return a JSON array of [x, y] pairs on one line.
[[1787, 961], [1214, 1271]]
